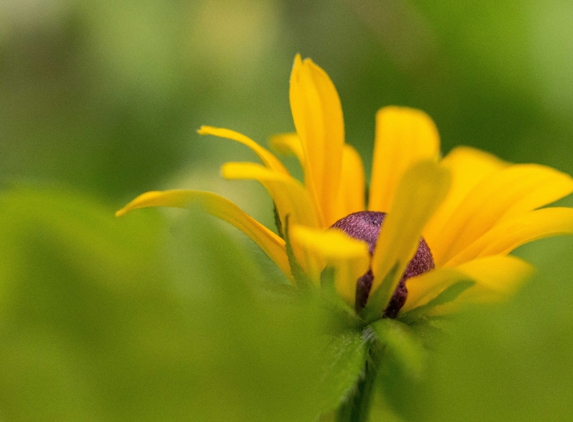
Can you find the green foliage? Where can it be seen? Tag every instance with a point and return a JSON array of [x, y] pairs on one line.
[[400, 344], [343, 315], [278, 223], [96, 323], [499, 362], [343, 359], [147, 318], [301, 279], [106, 96], [509, 361]]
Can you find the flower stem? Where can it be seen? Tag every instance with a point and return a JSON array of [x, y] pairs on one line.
[[357, 407]]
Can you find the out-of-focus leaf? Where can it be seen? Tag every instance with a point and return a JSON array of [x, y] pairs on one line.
[[267, 345], [509, 361], [98, 324], [402, 345], [75, 287]]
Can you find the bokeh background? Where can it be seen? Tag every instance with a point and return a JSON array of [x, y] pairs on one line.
[[165, 316]]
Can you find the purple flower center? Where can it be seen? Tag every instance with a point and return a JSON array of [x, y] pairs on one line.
[[366, 225]]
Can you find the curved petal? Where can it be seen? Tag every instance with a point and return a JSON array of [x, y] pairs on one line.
[[349, 257], [426, 287], [419, 194], [404, 136], [541, 185], [468, 167], [288, 144], [352, 184], [496, 278], [317, 116], [221, 208], [506, 236], [268, 159], [289, 195], [499, 197]]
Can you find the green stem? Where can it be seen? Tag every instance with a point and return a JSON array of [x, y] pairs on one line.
[[357, 407]]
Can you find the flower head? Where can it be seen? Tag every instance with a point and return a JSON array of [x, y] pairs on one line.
[[449, 223]]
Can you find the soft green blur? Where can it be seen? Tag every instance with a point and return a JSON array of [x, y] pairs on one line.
[[165, 316]]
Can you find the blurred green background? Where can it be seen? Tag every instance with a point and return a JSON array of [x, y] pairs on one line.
[[165, 316]]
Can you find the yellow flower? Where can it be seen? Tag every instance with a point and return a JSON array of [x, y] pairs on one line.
[[471, 208]]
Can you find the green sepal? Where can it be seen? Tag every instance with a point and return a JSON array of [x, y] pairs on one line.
[[278, 222], [448, 295], [300, 277], [378, 300], [334, 301]]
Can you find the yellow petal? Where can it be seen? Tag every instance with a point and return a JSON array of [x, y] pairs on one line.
[[317, 116], [499, 197], [419, 193], [540, 185], [288, 144], [404, 136], [496, 278], [352, 184], [221, 208], [288, 194], [468, 167], [349, 257], [426, 287], [510, 234], [268, 159]]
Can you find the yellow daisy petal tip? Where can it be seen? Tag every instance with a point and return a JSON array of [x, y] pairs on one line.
[[147, 199], [176, 198], [497, 278], [211, 130], [297, 60], [121, 212], [206, 130], [403, 137], [319, 123], [415, 114]]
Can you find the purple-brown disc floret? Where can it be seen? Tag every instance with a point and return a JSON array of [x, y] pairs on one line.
[[366, 225]]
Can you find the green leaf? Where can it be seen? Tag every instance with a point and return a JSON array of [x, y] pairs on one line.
[[141, 318], [508, 361], [343, 357]]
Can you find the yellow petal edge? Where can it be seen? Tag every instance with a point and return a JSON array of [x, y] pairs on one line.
[[349, 257], [419, 194], [221, 208]]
